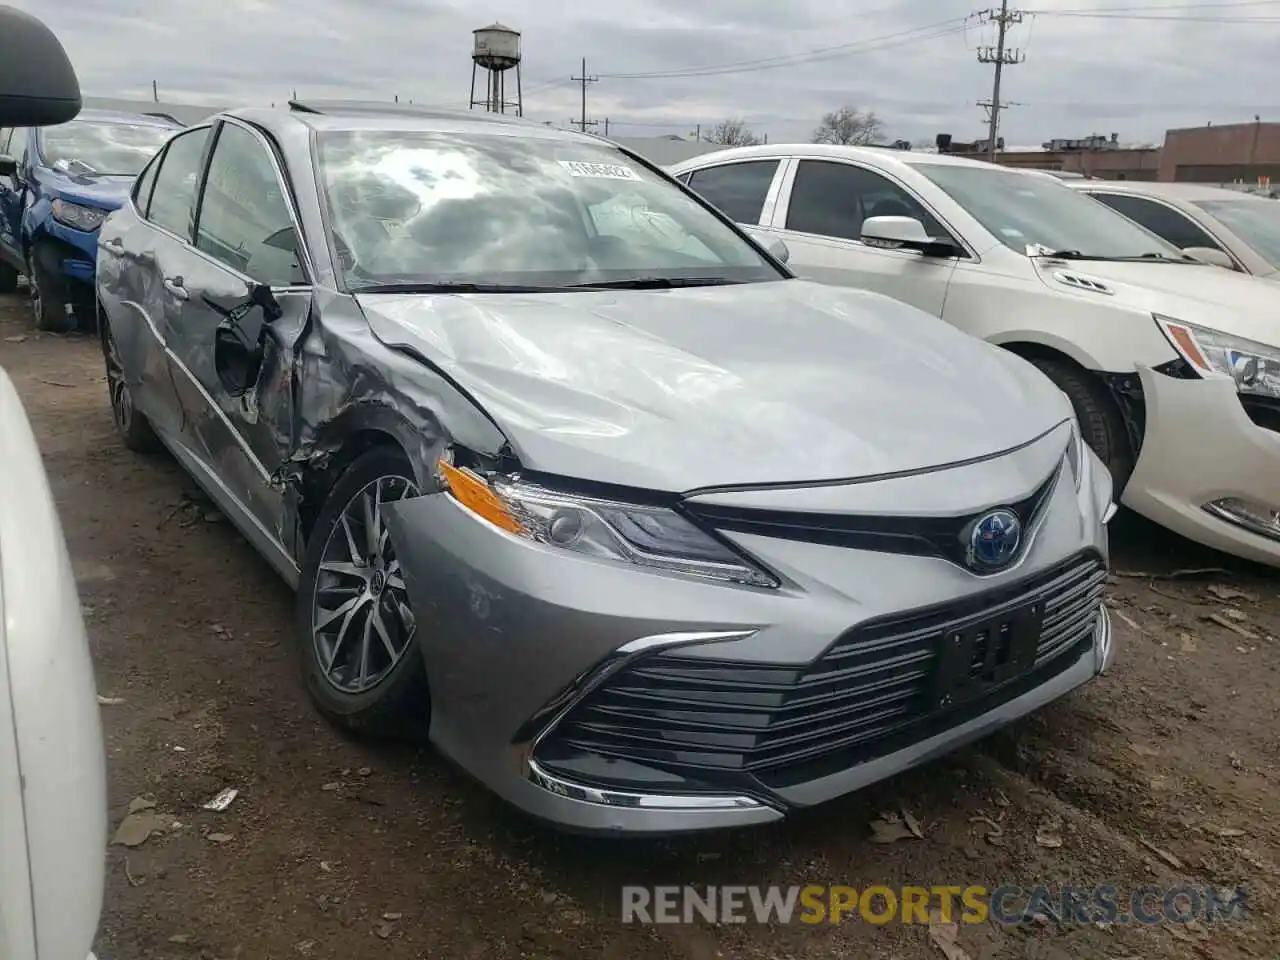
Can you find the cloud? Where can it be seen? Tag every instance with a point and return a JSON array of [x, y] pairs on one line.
[[914, 62]]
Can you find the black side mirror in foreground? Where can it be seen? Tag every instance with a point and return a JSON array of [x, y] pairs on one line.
[[38, 86]]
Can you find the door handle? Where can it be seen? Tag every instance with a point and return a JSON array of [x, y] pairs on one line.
[[114, 245], [175, 287]]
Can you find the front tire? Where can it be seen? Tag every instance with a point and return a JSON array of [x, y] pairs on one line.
[[132, 425], [8, 278], [357, 635], [1101, 424], [47, 304]]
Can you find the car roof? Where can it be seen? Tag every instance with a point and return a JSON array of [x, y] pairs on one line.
[[369, 115], [156, 119], [1171, 191], [884, 157]]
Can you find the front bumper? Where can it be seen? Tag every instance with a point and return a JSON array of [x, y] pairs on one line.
[[1200, 448], [552, 675], [68, 253]]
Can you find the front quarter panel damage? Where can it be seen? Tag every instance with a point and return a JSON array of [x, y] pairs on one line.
[[353, 391]]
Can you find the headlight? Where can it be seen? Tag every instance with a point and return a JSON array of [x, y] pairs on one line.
[[83, 218], [1254, 367], [647, 536]]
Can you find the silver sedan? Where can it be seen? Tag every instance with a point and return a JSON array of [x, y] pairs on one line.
[[575, 477]]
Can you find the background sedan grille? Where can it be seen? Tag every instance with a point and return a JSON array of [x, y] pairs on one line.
[[867, 695]]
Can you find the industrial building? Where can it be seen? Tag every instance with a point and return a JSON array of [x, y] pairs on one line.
[[1228, 153]]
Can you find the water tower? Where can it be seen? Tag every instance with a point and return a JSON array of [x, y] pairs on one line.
[[497, 50]]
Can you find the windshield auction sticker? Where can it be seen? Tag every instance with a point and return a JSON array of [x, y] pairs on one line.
[[608, 171]]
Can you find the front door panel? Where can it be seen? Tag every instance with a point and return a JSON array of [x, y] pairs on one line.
[[243, 439]]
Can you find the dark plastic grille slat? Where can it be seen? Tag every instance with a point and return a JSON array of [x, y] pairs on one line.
[[869, 689]]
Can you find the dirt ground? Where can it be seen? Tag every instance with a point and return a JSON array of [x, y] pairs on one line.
[[1167, 771]]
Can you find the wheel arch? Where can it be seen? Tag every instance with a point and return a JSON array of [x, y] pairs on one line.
[[344, 440], [1123, 391]]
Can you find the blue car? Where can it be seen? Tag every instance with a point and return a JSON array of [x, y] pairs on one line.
[[57, 185]]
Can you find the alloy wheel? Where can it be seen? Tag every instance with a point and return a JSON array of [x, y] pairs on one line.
[[361, 621], [121, 398]]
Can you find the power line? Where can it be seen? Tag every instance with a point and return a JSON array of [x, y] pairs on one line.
[[930, 31], [1153, 8], [1133, 17], [1001, 57]]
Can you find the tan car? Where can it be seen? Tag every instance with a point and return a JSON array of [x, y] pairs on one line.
[[1229, 228]]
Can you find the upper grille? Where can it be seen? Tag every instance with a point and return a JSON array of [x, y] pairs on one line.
[[946, 537], [873, 691]]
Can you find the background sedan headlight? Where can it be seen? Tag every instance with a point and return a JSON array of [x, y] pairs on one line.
[[80, 217], [1255, 367], [644, 535]]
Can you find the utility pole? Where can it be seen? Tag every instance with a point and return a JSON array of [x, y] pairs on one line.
[[583, 123], [155, 92], [606, 126], [1000, 56]]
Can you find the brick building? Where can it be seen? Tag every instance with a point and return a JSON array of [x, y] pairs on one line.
[[1210, 154]]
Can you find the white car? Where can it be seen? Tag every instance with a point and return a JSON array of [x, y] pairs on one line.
[[53, 785], [1172, 365], [1229, 228]]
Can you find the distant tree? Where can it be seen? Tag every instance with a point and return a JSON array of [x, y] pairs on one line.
[[848, 125], [734, 133]]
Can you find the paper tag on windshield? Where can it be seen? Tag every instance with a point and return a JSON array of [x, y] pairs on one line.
[[608, 171]]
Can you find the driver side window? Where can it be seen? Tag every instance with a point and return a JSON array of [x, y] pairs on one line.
[[832, 199], [244, 217]]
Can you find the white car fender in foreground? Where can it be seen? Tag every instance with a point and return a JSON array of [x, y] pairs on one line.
[[53, 808]]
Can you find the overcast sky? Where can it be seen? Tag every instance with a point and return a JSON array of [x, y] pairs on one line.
[[914, 62]]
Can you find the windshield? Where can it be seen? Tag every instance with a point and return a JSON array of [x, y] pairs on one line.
[[423, 208], [95, 147], [1021, 209], [1256, 222]]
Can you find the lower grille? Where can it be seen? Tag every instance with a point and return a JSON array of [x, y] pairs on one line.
[[881, 686]]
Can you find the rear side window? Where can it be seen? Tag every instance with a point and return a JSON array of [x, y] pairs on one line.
[[1165, 222], [738, 189], [173, 198], [142, 189]]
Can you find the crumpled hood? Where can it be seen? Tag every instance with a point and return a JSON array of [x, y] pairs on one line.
[[1210, 296], [107, 192], [757, 383]]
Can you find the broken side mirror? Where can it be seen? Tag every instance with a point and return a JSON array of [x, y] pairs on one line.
[[239, 342]]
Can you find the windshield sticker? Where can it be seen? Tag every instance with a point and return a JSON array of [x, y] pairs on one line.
[[607, 171]]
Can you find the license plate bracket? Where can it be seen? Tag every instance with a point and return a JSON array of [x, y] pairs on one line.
[[986, 653]]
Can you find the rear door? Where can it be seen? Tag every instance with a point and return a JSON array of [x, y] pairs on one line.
[[245, 235], [820, 213], [138, 247]]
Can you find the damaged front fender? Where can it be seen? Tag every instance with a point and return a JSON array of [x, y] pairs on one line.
[[352, 392]]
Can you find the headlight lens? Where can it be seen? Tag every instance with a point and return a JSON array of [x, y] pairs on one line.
[[1254, 367], [646, 536], [80, 217]]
